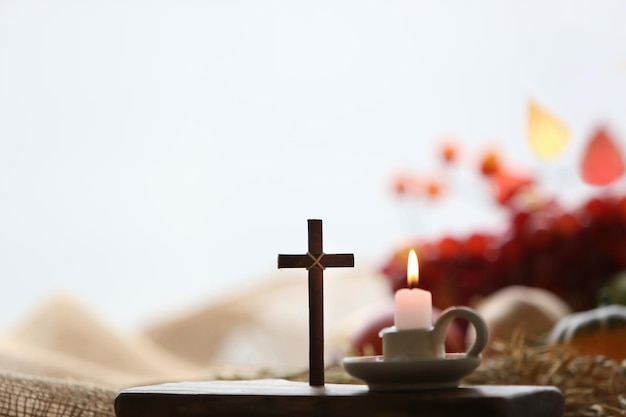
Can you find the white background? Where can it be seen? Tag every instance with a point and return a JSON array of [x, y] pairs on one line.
[[159, 153]]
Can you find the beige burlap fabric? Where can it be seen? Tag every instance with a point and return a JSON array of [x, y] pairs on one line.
[[62, 332], [30, 396], [62, 360], [267, 325]]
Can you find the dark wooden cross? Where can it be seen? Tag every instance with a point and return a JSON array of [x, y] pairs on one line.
[[315, 261]]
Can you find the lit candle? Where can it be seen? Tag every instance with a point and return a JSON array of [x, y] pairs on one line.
[[413, 306]]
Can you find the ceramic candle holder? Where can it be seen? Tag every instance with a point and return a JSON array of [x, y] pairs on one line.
[[418, 344], [417, 359]]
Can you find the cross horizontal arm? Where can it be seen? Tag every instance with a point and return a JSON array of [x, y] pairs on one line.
[[304, 261]]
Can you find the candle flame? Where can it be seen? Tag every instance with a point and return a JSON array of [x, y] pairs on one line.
[[412, 270]]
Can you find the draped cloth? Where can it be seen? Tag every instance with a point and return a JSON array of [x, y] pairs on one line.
[[62, 360], [37, 396]]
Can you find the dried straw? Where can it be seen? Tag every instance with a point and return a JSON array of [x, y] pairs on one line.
[[592, 386]]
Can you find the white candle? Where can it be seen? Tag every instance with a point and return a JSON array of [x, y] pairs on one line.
[[413, 306]]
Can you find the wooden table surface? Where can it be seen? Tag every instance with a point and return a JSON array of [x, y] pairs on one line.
[[278, 398]]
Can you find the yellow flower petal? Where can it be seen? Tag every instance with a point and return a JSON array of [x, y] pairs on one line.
[[548, 136]]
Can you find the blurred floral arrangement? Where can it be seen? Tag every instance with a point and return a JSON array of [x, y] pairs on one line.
[[550, 261], [556, 274], [570, 252]]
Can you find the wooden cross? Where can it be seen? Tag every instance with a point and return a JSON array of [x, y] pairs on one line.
[[315, 261]]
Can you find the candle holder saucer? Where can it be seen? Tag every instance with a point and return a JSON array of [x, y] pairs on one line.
[[421, 374]]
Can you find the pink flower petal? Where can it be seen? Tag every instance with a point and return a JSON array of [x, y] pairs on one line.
[[602, 161]]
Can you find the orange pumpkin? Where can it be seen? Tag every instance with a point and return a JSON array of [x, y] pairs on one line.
[[600, 331]]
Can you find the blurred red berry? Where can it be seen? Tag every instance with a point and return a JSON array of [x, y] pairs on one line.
[[449, 248], [477, 246], [598, 210], [399, 186], [567, 225], [449, 152], [433, 189], [621, 210], [490, 164]]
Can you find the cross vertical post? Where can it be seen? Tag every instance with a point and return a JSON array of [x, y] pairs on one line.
[[316, 308], [315, 261]]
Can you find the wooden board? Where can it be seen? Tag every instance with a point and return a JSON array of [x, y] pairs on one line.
[[278, 398]]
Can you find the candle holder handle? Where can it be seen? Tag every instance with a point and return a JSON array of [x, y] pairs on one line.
[[482, 332]]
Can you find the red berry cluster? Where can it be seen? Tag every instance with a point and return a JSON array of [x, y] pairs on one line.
[[572, 253]]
